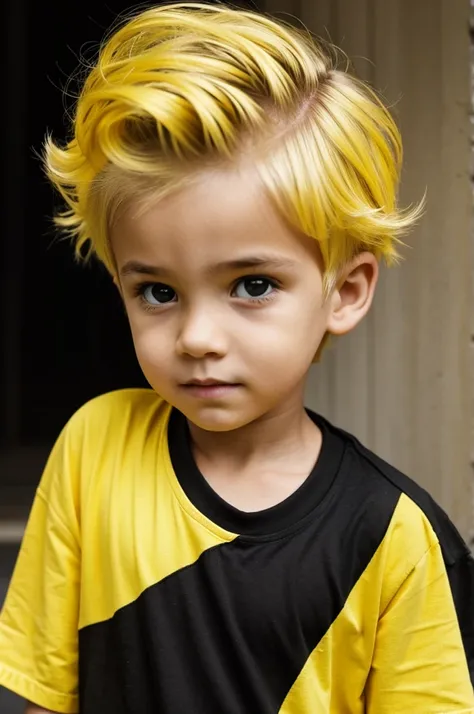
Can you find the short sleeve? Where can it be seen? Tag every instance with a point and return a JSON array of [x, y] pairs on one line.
[[461, 579], [39, 620], [420, 660]]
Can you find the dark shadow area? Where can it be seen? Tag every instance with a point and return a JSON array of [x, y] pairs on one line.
[[64, 337], [63, 332]]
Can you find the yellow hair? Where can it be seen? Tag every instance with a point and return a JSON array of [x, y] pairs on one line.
[[185, 86]]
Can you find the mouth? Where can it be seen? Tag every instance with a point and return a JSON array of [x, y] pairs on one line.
[[207, 383], [209, 388]]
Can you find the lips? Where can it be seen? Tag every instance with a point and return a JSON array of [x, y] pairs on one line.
[[210, 388], [208, 383]]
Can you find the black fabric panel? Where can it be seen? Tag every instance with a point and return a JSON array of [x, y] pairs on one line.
[[270, 520], [231, 633], [457, 556], [452, 544], [461, 578]]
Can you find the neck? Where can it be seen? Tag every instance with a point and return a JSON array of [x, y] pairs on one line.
[[281, 433]]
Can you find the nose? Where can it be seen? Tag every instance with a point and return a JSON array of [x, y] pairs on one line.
[[201, 333]]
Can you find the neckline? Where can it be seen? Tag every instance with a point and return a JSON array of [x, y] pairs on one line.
[[271, 520]]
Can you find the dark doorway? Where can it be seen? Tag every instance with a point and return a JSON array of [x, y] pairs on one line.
[[64, 337]]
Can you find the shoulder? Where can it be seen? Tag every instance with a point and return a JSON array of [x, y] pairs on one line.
[[112, 424], [418, 521], [118, 402], [108, 425], [123, 410]]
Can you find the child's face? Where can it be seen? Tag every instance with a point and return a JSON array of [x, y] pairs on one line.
[[231, 293]]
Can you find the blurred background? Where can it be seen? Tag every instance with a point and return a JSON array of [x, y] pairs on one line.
[[403, 382]]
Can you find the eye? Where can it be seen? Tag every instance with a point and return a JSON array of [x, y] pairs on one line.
[[254, 288], [157, 293]]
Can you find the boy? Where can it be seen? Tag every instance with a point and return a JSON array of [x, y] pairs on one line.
[[209, 545]]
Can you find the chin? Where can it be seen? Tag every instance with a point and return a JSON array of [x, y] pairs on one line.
[[217, 420]]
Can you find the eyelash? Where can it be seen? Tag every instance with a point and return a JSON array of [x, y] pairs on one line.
[[140, 288]]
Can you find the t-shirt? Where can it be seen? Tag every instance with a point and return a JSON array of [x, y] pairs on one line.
[[138, 590]]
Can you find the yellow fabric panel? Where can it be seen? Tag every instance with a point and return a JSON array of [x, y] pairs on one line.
[[396, 646], [38, 626], [108, 503], [419, 660], [138, 526], [110, 519]]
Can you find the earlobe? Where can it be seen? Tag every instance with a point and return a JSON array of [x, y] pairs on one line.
[[352, 300]]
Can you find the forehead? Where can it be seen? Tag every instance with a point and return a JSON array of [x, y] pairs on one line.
[[218, 216]]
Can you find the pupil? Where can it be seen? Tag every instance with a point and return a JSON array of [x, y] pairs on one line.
[[256, 287], [162, 293]]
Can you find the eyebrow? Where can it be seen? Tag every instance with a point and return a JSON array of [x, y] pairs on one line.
[[251, 261]]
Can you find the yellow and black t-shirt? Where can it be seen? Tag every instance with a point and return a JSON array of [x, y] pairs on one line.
[[138, 590]]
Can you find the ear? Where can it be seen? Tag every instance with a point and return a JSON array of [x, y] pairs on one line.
[[351, 300]]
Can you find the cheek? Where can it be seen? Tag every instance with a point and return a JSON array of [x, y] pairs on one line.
[[285, 345], [151, 345], [283, 337], [293, 323]]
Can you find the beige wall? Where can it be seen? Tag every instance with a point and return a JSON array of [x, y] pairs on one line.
[[402, 382]]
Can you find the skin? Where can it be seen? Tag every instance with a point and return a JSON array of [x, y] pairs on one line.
[[254, 443]]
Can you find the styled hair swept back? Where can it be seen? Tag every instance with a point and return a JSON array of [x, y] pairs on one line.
[[183, 87]]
